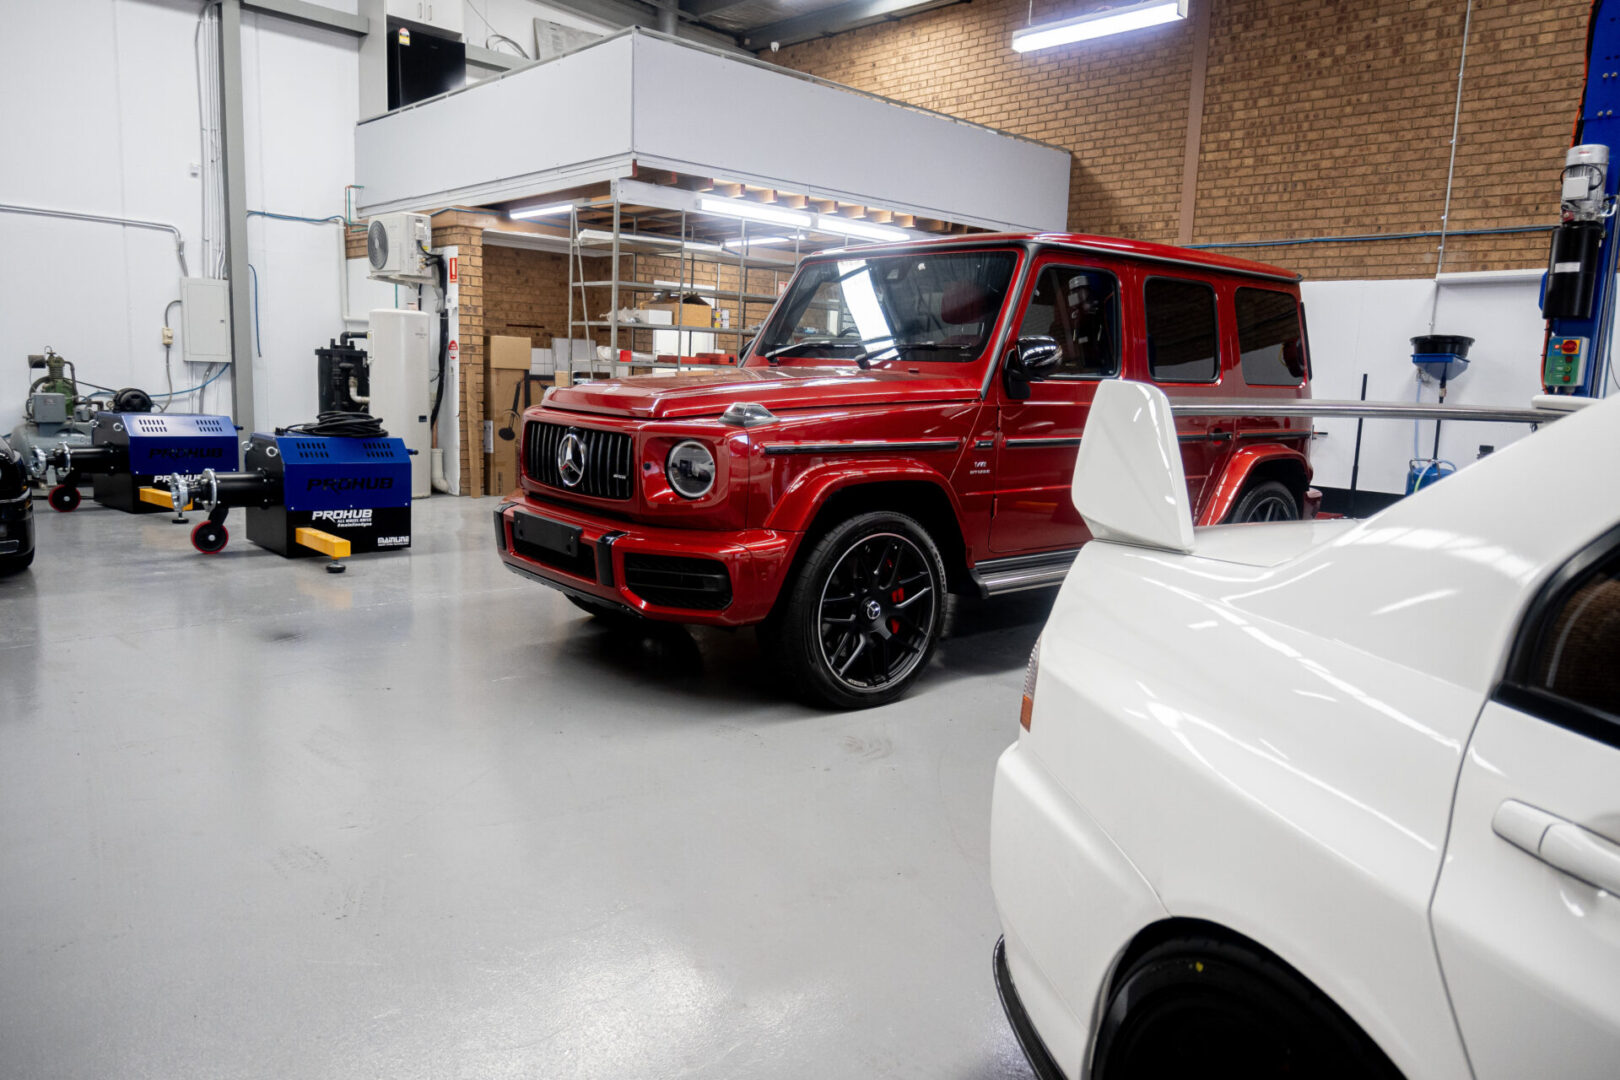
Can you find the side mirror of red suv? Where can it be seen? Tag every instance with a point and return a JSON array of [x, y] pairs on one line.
[[1031, 359]]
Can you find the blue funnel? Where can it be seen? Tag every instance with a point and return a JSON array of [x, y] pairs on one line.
[[1441, 356]]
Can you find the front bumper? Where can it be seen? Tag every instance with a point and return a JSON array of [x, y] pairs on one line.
[[1029, 1040], [595, 565], [1069, 901], [16, 527]]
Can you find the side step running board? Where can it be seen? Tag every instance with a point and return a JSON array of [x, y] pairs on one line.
[[996, 577]]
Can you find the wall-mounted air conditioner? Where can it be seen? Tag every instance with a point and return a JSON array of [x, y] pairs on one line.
[[396, 246]]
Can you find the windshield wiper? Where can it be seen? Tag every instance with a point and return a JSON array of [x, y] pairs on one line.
[[937, 346], [863, 360], [783, 350]]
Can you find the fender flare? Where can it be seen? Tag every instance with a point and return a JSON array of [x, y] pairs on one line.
[[808, 493], [1235, 476]]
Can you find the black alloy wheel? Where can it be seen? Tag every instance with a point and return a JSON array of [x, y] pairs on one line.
[[1267, 501], [864, 612]]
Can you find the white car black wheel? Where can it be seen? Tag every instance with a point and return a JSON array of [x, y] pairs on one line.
[[1211, 1007]]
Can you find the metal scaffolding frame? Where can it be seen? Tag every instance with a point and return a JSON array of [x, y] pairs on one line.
[[652, 225]]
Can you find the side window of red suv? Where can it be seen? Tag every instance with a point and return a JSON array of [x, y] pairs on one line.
[[1080, 309], [1271, 344], [1182, 342]]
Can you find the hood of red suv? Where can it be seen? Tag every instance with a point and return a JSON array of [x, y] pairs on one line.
[[661, 397]]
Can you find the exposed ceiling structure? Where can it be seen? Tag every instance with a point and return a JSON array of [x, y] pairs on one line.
[[752, 25]]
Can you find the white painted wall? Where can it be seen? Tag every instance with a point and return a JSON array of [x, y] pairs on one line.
[[1366, 326], [116, 133]]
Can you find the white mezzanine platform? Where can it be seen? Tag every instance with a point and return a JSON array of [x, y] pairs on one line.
[[640, 100]]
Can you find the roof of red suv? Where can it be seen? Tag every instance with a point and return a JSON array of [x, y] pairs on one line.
[[1112, 245]]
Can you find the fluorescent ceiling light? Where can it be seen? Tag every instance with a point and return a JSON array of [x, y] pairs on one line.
[[605, 237], [540, 211], [1098, 24], [741, 208], [845, 227], [759, 241]]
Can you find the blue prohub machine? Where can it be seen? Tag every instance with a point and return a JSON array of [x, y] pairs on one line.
[[355, 489], [128, 451]]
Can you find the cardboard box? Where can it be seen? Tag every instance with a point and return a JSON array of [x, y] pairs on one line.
[[689, 315], [506, 366], [508, 352]]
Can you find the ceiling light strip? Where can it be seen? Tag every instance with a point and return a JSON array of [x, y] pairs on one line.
[[1098, 24]]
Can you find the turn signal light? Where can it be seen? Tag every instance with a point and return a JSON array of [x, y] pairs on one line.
[[1032, 670]]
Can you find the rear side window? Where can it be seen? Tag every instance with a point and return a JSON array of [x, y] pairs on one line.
[[1078, 308], [1564, 668], [1271, 343], [1181, 336]]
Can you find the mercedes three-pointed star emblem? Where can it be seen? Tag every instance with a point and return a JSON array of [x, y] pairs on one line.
[[571, 459]]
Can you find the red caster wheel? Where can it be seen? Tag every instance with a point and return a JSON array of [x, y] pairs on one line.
[[64, 498], [209, 538]]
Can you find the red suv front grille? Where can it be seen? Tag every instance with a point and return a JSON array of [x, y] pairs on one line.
[[607, 460]]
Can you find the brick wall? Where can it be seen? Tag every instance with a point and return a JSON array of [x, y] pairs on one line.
[[526, 294], [1321, 117]]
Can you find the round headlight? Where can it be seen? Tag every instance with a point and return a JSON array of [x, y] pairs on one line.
[[690, 469]]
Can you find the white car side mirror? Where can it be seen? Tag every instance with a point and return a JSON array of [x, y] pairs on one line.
[[1129, 483]]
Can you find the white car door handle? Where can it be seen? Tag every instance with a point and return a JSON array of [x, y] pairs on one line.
[[1561, 844]]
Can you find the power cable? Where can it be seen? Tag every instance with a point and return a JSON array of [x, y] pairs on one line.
[[337, 424], [494, 35]]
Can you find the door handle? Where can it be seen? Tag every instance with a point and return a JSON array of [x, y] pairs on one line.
[[1562, 845]]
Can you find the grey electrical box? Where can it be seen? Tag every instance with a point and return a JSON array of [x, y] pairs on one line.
[[50, 408], [205, 320]]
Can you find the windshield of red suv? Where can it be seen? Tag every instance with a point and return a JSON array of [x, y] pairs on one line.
[[922, 306]]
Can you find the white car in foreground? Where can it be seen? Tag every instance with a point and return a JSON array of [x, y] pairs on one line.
[[1323, 799]]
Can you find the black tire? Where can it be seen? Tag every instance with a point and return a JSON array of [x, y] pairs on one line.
[[16, 564], [863, 613], [64, 498], [209, 538], [1269, 500], [1204, 1007]]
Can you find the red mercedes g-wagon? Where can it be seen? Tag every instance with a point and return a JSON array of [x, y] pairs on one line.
[[904, 426]]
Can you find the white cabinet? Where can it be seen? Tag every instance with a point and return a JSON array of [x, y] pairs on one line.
[[444, 16]]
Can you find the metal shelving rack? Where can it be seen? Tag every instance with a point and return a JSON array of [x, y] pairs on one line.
[[668, 234]]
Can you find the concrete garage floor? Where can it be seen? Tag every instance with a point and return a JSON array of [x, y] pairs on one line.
[[428, 820]]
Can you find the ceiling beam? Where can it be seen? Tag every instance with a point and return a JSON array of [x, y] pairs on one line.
[[834, 20]]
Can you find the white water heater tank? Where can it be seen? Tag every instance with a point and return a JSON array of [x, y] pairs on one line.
[[403, 347]]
